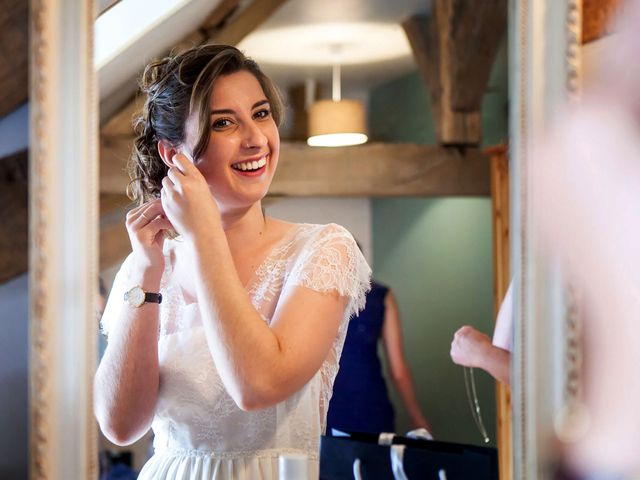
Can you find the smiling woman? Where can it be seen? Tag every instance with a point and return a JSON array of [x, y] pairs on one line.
[[234, 365]]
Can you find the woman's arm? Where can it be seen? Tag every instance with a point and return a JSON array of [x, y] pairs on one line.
[[126, 382], [259, 364], [392, 340], [472, 348]]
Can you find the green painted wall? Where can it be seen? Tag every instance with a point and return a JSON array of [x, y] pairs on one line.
[[436, 254]]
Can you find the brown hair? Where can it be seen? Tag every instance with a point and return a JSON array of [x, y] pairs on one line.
[[174, 87]]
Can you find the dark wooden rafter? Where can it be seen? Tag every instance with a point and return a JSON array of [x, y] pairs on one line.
[[298, 108], [14, 54], [245, 22], [14, 209], [216, 20], [596, 18], [103, 6], [454, 49], [114, 240]]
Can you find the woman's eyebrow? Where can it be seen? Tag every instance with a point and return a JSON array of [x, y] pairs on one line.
[[229, 111]]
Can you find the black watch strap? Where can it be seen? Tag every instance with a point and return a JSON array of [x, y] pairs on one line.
[[152, 297]]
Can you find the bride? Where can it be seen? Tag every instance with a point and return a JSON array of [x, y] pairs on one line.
[[225, 326]]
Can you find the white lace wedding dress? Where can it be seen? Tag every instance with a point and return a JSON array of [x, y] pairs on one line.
[[200, 433]]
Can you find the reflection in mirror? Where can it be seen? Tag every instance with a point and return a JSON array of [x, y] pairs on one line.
[[399, 179], [423, 213]]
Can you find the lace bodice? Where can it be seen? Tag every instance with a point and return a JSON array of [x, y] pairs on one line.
[[196, 420]]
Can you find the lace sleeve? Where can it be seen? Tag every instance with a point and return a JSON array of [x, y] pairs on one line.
[[116, 298], [331, 261]]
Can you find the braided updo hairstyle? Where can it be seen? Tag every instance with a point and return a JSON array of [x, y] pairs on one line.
[[174, 87]]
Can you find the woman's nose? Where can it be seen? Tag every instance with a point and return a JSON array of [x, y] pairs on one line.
[[254, 137]]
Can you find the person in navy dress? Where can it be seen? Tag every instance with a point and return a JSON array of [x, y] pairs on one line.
[[360, 401]]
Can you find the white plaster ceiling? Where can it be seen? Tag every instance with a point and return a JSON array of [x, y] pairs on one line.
[[388, 53]]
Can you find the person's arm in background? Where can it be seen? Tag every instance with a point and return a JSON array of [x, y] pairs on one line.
[[471, 348], [392, 340]]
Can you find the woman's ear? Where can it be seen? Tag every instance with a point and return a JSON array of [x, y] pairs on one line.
[[166, 151]]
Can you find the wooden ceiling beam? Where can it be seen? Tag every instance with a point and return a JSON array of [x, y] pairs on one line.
[[246, 22], [380, 170], [14, 211], [14, 228], [220, 15], [14, 55], [103, 6], [373, 169], [297, 102], [114, 240], [455, 49], [214, 22], [596, 18]]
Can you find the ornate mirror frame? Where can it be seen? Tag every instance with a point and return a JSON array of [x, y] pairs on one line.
[[63, 204], [544, 39], [545, 58]]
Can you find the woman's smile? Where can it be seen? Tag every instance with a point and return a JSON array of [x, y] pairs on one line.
[[251, 167]]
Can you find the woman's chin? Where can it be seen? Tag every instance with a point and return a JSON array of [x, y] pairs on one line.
[[241, 200]]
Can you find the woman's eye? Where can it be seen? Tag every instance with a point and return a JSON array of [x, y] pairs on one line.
[[221, 123], [262, 113]]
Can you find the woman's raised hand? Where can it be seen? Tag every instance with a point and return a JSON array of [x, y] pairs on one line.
[[187, 199], [145, 226]]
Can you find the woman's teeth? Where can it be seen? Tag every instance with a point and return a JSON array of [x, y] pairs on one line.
[[254, 165]]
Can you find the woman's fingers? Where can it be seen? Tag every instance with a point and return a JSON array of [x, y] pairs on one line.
[[160, 223], [182, 163], [140, 216], [136, 213], [176, 177], [168, 188]]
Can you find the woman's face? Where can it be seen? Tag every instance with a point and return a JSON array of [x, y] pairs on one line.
[[242, 154]]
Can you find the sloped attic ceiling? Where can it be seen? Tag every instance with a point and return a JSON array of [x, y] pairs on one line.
[[133, 32]]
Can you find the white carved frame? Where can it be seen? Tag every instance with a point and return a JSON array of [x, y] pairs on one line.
[[545, 57], [62, 240]]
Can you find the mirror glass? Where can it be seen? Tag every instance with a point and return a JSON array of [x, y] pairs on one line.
[[434, 251]]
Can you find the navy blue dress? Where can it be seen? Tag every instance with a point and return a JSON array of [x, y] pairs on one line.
[[360, 402]]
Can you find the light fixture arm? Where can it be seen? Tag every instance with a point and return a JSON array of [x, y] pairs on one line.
[[336, 93]]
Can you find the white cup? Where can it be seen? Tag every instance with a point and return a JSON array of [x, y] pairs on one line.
[[293, 466]]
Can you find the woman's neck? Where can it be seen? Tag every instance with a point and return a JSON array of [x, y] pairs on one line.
[[244, 226]]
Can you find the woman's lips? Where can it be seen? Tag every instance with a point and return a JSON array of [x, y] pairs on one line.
[[251, 168]]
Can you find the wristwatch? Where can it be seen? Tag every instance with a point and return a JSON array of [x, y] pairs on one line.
[[136, 297]]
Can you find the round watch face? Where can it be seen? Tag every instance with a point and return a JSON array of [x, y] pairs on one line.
[[135, 296]]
